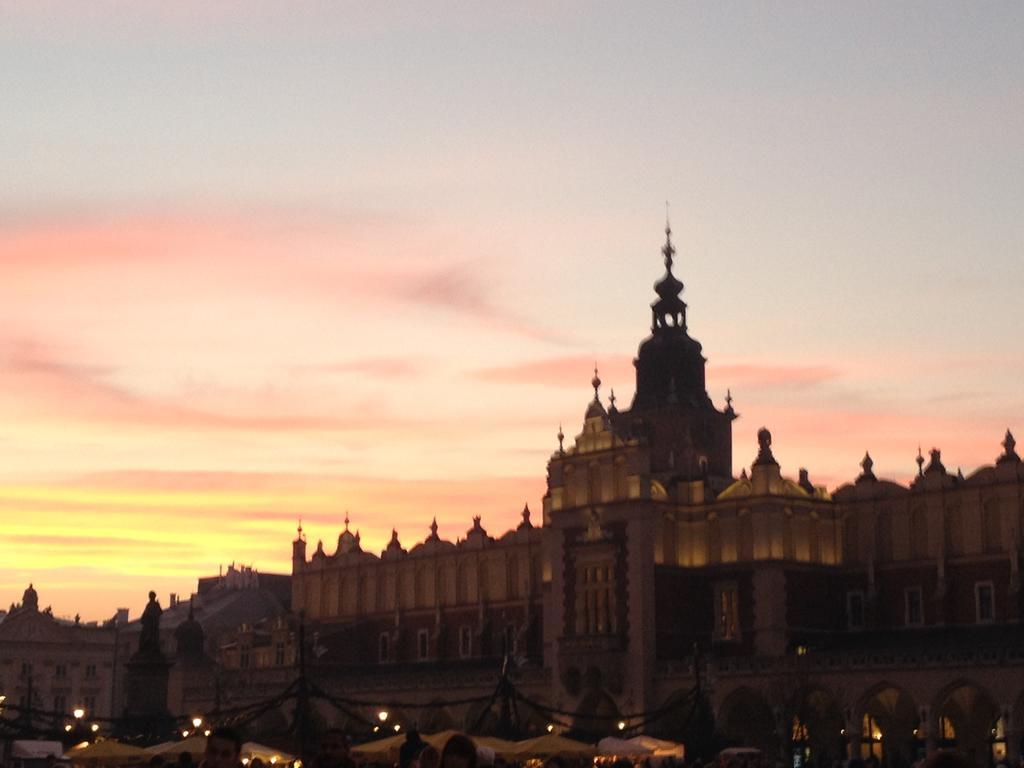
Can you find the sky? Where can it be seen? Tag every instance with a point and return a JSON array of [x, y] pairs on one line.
[[264, 261]]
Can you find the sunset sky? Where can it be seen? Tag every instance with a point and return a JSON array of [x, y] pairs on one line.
[[263, 261]]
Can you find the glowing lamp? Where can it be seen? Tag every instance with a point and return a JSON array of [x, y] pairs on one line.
[[622, 725], [383, 715], [67, 728], [551, 728], [206, 732], [196, 722], [94, 727], [397, 727], [78, 712], [184, 734]]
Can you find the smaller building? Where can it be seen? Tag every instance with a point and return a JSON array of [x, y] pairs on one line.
[[56, 665]]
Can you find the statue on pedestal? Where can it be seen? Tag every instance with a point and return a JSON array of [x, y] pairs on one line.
[[149, 638]]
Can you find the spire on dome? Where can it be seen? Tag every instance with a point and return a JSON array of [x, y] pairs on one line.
[[561, 438], [1009, 450], [920, 461], [669, 311], [346, 520], [595, 409], [866, 465], [433, 530], [764, 450], [526, 517]]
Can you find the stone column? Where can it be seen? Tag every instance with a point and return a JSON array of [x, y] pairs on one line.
[[852, 734], [930, 730]]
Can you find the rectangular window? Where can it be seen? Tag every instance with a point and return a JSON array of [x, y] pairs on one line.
[[465, 642], [279, 655], [60, 671], [90, 671], [423, 644], [727, 612], [984, 602], [384, 648], [913, 607], [855, 610]]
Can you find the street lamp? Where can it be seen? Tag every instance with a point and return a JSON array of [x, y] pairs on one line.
[[383, 715], [397, 727], [78, 712], [94, 727], [197, 721], [622, 725]]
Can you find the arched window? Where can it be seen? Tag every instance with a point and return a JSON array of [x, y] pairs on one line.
[[870, 738]]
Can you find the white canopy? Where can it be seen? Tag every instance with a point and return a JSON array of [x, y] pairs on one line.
[[36, 750], [659, 747], [611, 746]]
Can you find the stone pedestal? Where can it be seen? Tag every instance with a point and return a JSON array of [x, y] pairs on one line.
[[145, 711]]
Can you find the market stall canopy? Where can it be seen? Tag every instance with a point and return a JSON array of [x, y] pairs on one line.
[[659, 747], [379, 749], [550, 745], [612, 747], [107, 752], [194, 745], [31, 749], [269, 755]]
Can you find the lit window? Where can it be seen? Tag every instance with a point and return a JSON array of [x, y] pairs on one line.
[[984, 602], [727, 612], [870, 738], [855, 610], [913, 604]]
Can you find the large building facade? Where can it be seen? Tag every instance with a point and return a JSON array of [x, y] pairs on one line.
[[877, 619]]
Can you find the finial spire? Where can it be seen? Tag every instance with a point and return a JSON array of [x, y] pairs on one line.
[[596, 384], [866, 465], [668, 249], [611, 399], [346, 520], [920, 461], [561, 437], [1009, 450]]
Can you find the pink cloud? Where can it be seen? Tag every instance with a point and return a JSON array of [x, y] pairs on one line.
[[756, 375], [572, 371]]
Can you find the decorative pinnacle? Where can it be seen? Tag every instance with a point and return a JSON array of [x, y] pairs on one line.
[[728, 399], [920, 461], [561, 437], [668, 249], [346, 520], [611, 399], [866, 464], [433, 528], [596, 383]]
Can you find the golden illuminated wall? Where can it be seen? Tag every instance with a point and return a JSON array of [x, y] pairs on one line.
[[498, 573], [962, 522], [773, 530]]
